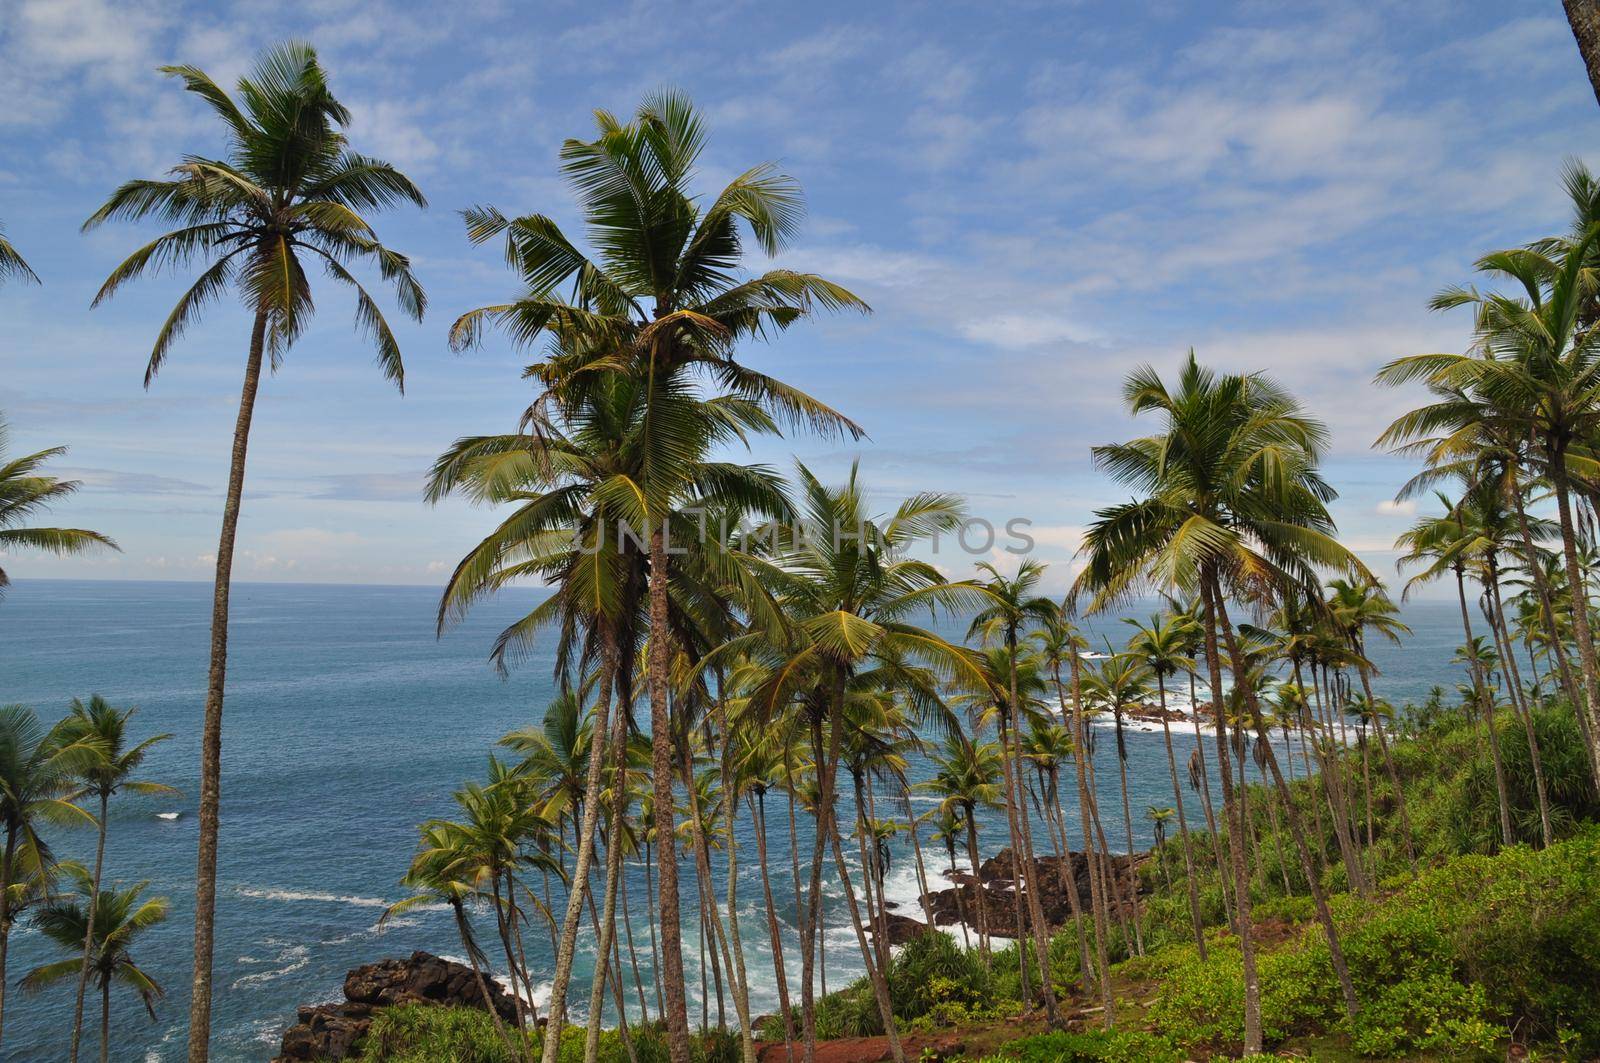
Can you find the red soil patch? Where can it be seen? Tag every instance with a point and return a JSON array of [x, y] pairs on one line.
[[864, 1049]]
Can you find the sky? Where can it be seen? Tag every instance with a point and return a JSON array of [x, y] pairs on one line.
[[1034, 197]]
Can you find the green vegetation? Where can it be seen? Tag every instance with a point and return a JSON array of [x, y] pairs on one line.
[[1393, 883]]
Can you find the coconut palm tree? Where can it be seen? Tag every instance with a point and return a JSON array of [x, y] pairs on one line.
[[40, 769], [25, 490], [1161, 646], [830, 620], [1158, 818], [1230, 501], [100, 724], [11, 263], [663, 300], [1531, 371], [966, 778], [1013, 608], [1120, 683], [111, 921], [287, 197]]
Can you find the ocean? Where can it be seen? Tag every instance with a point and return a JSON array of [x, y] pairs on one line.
[[347, 724]]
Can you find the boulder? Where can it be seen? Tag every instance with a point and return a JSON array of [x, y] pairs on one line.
[[335, 1031]]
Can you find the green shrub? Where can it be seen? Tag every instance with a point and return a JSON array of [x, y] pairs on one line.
[[1109, 1046], [1430, 1013], [425, 1033]]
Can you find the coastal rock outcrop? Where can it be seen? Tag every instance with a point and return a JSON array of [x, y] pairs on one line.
[[334, 1031], [992, 888]]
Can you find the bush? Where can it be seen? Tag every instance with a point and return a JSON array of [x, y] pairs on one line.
[[1432, 1013], [1110, 1046], [425, 1033]]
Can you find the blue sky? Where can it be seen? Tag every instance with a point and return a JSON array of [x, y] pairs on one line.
[[1035, 198]]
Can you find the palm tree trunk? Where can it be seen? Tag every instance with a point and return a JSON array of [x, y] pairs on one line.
[[1388, 761], [650, 906], [1589, 704], [88, 930], [1329, 756], [1547, 608], [671, 971], [875, 973], [1030, 872], [1016, 857], [1217, 850], [474, 960], [608, 921], [1523, 711], [1324, 915], [730, 816], [1097, 897], [1183, 823], [633, 953], [979, 892], [7, 866], [774, 935], [1584, 18], [1127, 822], [105, 1021], [1241, 875], [810, 923], [568, 945], [205, 879]]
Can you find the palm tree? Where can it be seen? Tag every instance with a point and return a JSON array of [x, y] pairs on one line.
[[39, 772], [1162, 647], [1013, 608], [11, 263], [25, 491], [829, 618], [1231, 499], [1530, 375], [1119, 684], [111, 921], [100, 724], [965, 780], [664, 301], [287, 197]]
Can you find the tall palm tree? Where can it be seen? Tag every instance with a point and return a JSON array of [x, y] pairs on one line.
[[966, 778], [111, 921], [39, 772], [1161, 646], [1014, 607], [26, 490], [664, 300], [1583, 16], [287, 197], [1118, 684], [1531, 374], [11, 263], [830, 617], [1231, 501], [101, 724]]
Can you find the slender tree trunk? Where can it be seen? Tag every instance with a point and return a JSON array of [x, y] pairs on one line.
[[608, 921], [979, 891], [774, 935], [1589, 705], [594, 775], [1127, 822], [475, 961], [875, 973], [1030, 873], [1547, 608], [633, 954], [88, 930], [1319, 899], [1183, 823], [7, 869], [1241, 876], [730, 815], [1524, 712], [205, 879], [1388, 761], [671, 971], [1097, 897], [650, 906], [810, 924], [1016, 857]]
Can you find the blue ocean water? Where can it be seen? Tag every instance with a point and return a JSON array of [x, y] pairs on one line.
[[347, 724]]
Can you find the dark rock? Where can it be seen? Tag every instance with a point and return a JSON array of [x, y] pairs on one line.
[[335, 1031], [995, 891]]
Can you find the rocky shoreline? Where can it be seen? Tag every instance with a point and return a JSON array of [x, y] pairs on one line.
[[335, 1031], [993, 888]]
